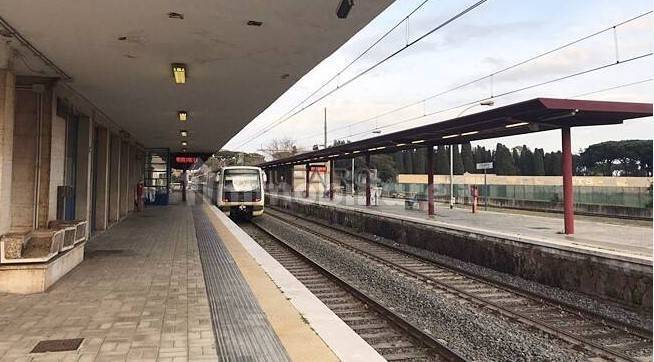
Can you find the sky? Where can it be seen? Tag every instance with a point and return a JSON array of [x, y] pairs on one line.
[[495, 35]]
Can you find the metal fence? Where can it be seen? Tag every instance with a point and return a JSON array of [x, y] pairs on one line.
[[636, 197]]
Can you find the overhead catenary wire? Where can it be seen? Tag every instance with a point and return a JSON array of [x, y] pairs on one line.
[[587, 71], [361, 55], [365, 71], [493, 75], [625, 85]]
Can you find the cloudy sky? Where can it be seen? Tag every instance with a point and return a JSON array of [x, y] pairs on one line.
[[494, 36]]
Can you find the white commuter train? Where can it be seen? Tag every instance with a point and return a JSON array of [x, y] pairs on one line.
[[239, 190]]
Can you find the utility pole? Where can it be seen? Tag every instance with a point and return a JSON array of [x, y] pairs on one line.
[[325, 127]]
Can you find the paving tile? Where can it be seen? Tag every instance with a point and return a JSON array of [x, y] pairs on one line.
[[144, 303]]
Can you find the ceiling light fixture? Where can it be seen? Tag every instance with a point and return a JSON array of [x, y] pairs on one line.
[[418, 141], [183, 133], [183, 149], [179, 72], [184, 143], [182, 115], [516, 124], [451, 136], [469, 133]]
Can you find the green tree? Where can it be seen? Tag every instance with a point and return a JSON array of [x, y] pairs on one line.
[[442, 160], [385, 166], [467, 158], [526, 161], [457, 160], [539, 165], [552, 163], [503, 161], [625, 158], [515, 155]]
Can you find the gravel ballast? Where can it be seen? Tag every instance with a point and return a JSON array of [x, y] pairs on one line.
[[608, 309], [477, 334]]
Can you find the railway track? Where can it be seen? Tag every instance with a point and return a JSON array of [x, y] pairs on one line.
[[388, 333], [599, 337]]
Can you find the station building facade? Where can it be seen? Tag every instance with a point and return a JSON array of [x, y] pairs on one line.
[[66, 172]]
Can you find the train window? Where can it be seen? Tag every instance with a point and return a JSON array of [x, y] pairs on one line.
[[241, 180]]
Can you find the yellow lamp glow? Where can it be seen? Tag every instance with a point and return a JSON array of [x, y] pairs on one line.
[[179, 72]]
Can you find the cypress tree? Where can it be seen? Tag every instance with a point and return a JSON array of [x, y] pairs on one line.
[[442, 161], [539, 165], [526, 161], [467, 158], [504, 161], [515, 154], [458, 162]]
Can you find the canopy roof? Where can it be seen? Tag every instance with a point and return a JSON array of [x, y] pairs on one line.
[[535, 115]]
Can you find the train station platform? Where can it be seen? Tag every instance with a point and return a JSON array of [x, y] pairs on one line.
[[176, 283], [627, 239]]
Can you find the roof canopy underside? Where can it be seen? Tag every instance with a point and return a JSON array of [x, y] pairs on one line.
[[540, 114], [118, 54]]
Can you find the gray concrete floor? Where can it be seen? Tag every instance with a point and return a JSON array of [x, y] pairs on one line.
[[614, 235], [138, 295]]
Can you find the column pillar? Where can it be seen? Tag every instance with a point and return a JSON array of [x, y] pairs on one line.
[[102, 179], [307, 169], [368, 203], [7, 102], [114, 180], [291, 179], [430, 180], [331, 179], [124, 178], [568, 195], [83, 174]]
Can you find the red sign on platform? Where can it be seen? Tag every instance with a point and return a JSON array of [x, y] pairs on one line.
[[185, 160], [318, 168]]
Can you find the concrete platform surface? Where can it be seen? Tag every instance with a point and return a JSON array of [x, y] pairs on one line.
[[633, 241], [138, 295]]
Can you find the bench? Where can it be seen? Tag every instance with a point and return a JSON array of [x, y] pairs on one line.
[[32, 246], [411, 204], [29, 246], [75, 231]]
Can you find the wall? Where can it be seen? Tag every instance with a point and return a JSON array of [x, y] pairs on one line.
[[491, 179], [25, 151]]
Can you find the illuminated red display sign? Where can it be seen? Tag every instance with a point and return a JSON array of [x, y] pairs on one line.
[[318, 168], [185, 160]]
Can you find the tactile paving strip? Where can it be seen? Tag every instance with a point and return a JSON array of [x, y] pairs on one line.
[[242, 330]]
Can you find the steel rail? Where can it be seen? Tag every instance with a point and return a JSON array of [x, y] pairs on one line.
[[574, 309], [430, 342], [520, 317]]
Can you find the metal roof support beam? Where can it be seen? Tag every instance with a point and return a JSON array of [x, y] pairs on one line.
[[368, 186], [307, 180], [331, 180], [430, 180], [568, 194]]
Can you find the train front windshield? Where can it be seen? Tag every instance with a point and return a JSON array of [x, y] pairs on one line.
[[241, 185]]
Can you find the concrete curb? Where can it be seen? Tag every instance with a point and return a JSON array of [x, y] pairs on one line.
[[568, 247]]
